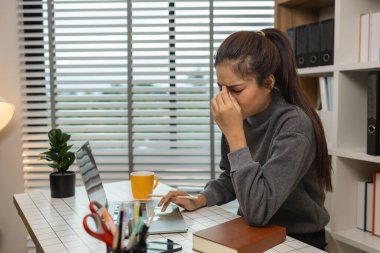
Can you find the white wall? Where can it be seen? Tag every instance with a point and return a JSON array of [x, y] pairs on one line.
[[12, 230]]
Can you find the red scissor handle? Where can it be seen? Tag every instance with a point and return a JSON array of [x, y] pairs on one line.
[[95, 206], [102, 233]]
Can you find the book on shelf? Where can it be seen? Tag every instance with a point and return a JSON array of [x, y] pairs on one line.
[[369, 37], [364, 205], [368, 206], [360, 205], [236, 236], [363, 37], [376, 204], [374, 37], [330, 91], [325, 93]]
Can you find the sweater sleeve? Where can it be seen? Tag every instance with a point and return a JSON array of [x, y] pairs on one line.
[[221, 190], [262, 189]]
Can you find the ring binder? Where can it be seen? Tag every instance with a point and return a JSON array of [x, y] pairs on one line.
[[327, 42], [292, 37], [314, 44], [301, 46], [373, 113]]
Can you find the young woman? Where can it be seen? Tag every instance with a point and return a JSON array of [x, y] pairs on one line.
[[274, 152]]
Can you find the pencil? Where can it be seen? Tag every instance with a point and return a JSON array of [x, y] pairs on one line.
[[180, 197], [120, 227]]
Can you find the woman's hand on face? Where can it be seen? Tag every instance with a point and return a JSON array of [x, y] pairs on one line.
[[188, 204], [228, 115]]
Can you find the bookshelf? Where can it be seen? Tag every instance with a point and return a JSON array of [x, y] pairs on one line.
[[316, 71], [346, 124]]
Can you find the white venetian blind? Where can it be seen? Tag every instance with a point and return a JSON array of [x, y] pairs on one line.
[[133, 77], [170, 85]]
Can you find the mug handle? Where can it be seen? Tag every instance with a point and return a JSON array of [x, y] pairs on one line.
[[156, 181]]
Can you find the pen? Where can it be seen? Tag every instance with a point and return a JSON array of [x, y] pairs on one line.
[[143, 235], [120, 227], [136, 230], [150, 220], [180, 197], [137, 211], [108, 219], [125, 221], [130, 227]]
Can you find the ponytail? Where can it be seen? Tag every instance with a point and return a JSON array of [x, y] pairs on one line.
[[291, 89], [267, 52]]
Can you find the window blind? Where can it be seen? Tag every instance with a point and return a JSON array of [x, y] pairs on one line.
[[135, 78]]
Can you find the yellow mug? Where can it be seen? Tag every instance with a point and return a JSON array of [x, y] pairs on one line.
[[143, 183]]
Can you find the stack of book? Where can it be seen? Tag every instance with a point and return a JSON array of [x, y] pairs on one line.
[[369, 37], [368, 205]]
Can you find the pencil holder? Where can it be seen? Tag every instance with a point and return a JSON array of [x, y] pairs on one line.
[[137, 249], [165, 245]]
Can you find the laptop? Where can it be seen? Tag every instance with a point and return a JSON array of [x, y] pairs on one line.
[[170, 221]]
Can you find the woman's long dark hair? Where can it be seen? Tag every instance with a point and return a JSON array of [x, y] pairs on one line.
[[260, 54]]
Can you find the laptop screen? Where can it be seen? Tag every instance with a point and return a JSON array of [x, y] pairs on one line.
[[90, 174], [170, 221]]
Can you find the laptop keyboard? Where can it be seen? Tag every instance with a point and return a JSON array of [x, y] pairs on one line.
[[116, 211]]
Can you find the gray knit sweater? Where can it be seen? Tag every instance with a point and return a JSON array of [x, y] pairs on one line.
[[275, 178]]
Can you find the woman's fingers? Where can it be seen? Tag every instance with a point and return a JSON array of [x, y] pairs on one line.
[[166, 204], [223, 99], [225, 95], [166, 198], [235, 103], [214, 106], [170, 197], [219, 100]]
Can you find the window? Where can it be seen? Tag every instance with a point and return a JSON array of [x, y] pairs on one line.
[[133, 77]]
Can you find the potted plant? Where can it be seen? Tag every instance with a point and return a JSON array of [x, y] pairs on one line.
[[62, 182]]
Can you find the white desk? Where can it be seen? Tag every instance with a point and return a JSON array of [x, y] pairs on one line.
[[55, 225]]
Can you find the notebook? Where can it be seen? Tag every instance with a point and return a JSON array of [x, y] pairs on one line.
[[236, 236], [170, 221]]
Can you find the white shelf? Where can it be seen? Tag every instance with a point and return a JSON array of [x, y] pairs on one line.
[[329, 69], [365, 66], [357, 154], [331, 149], [316, 71], [359, 239]]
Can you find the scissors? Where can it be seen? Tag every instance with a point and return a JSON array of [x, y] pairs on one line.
[[99, 209], [102, 232], [96, 208]]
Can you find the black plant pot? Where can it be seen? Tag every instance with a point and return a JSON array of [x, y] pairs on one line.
[[62, 185]]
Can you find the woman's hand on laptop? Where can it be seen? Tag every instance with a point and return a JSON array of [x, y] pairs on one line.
[[189, 204]]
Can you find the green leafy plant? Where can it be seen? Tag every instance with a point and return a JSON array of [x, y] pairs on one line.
[[59, 152]]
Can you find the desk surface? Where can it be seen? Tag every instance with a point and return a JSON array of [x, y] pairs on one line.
[[55, 225]]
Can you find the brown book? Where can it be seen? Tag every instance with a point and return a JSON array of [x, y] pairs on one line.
[[237, 236]]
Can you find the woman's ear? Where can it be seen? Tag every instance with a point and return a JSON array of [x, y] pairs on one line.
[[269, 82]]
